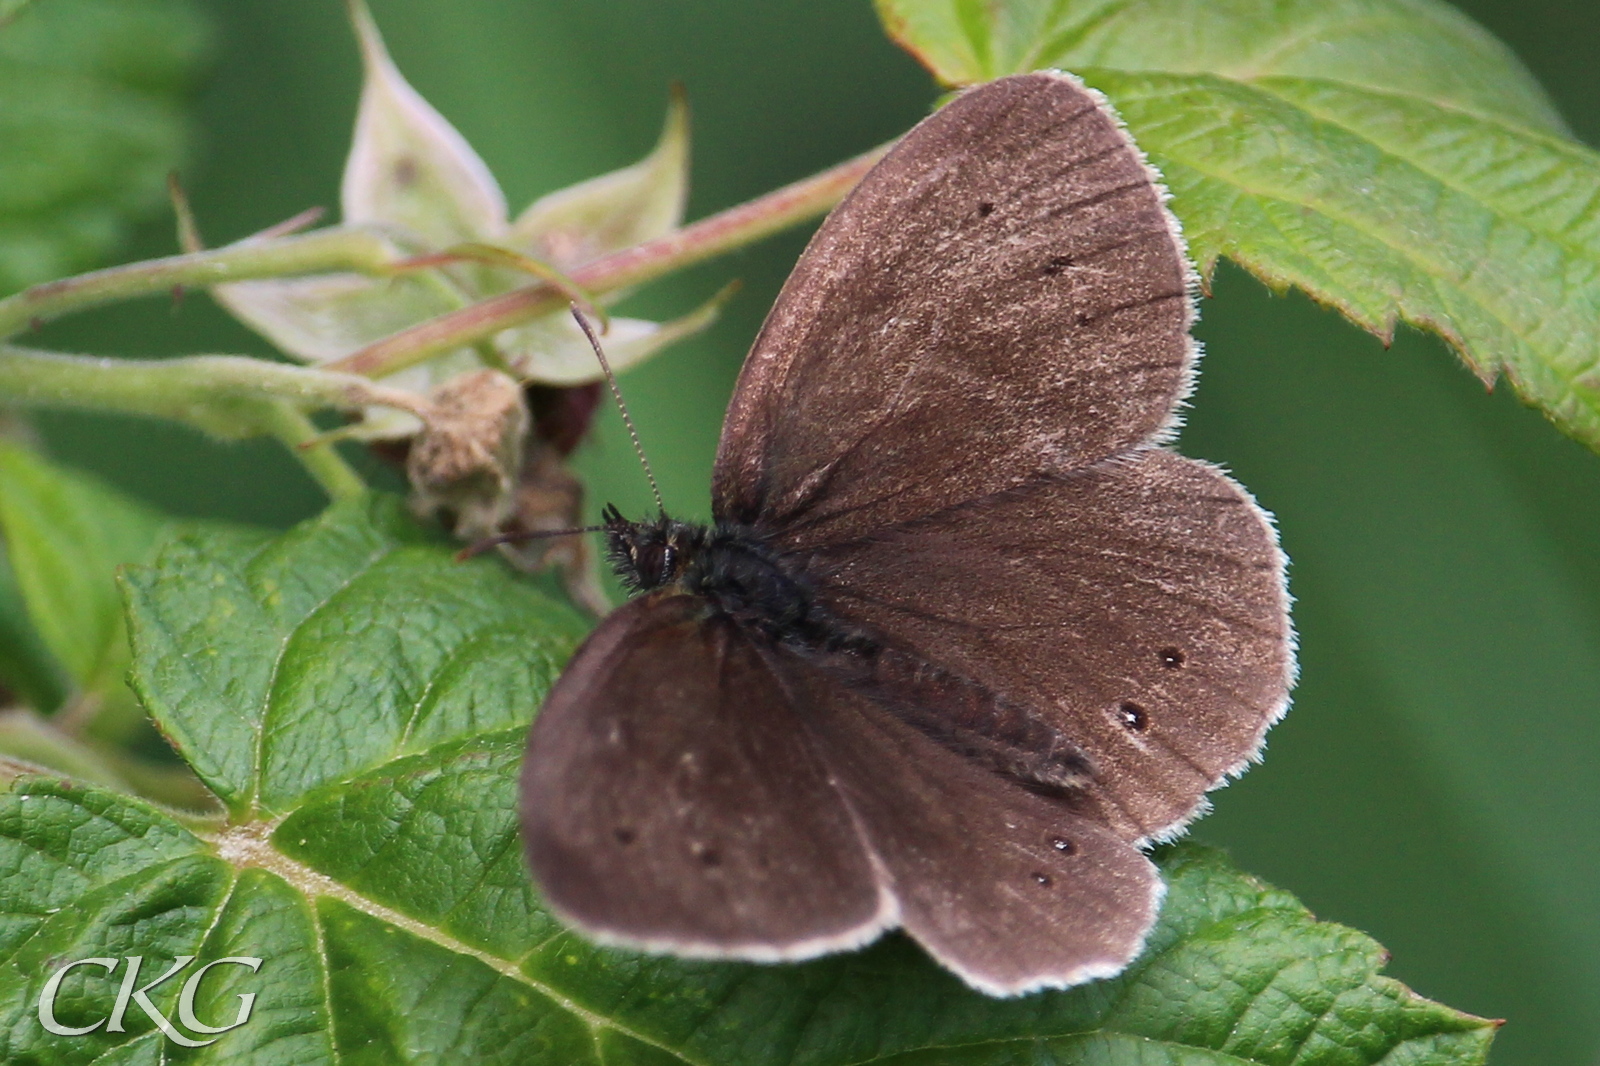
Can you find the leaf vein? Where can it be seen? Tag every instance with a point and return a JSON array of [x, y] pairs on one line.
[[246, 845], [258, 755]]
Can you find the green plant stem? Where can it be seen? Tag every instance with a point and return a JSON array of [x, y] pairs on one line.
[[203, 390], [228, 396], [320, 457], [363, 251], [710, 237], [327, 250], [31, 743]]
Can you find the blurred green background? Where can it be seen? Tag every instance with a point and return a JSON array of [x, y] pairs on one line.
[[1435, 783]]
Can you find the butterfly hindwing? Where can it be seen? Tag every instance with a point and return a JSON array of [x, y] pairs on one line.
[[1137, 609], [1004, 293], [1011, 890], [672, 801]]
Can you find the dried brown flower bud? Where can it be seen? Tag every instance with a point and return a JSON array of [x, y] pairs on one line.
[[467, 461]]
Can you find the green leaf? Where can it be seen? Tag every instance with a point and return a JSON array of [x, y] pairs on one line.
[[90, 117], [27, 669], [1389, 157], [404, 931], [66, 534], [63, 640], [10, 9], [279, 666], [359, 700]]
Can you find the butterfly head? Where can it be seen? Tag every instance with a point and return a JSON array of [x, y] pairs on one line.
[[649, 555]]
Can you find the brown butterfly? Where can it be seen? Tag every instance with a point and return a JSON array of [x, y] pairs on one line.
[[963, 637]]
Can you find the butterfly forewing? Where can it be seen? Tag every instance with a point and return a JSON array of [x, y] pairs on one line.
[[1136, 608], [671, 799], [1004, 293]]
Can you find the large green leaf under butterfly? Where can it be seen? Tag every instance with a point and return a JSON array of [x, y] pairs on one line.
[[358, 701], [1389, 157]]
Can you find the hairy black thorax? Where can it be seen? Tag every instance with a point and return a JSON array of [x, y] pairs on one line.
[[738, 574]]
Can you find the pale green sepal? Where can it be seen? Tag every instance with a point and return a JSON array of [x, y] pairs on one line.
[[325, 317], [408, 167], [613, 211], [554, 351]]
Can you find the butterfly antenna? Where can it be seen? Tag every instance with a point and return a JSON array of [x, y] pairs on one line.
[[616, 393], [479, 547]]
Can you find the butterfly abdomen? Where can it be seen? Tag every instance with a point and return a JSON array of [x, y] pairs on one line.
[[969, 718]]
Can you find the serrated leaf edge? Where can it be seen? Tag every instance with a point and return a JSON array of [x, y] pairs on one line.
[[1486, 366], [1486, 370]]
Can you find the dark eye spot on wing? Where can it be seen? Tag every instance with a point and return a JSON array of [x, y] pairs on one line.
[[707, 855], [1172, 658], [1045, 880], [1057, 264], [1063, 845], [405, 172], [1134, 717], [985, 209], [624, 835]]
